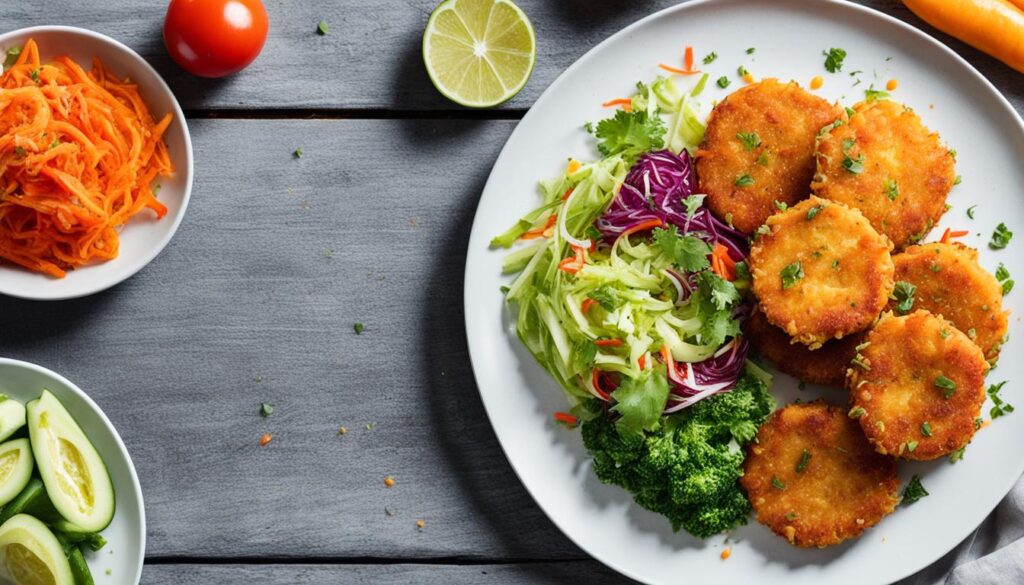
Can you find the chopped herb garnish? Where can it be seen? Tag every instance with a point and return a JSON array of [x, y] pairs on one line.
[[1007, 286], [750, 140], [805, 458], [742, 271], [944, 333], [35, 75], [322, 28], [792, 516], [957, 180], [751, 50], [892, 189], [856, 412], [742, 71], [947, 386], [1000, 237], [834, 59], [903, 294], [872, 94], [777, 483], [762, 159], [504, 289], [12, 56], [926, 429], [19, 151], [835, 263], [630, 134], [297, 153], [763, 230], [692, 203], [1001, 407], [913, 492], [972, 333], [358, 328], [957, 455], [687, 252], [850, 111], [1002, 273], [935, 268], [814, 211], [710, 58], [723, 82], [781, 205], [848, 144], [853, 165], [858, 359], [744, 180], [911, 446], [266, 410], [791, 274]]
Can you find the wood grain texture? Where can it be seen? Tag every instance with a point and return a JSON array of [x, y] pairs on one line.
[[557, 573], [371, 60]]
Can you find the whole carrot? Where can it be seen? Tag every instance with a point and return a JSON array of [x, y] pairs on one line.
[[993, 26]]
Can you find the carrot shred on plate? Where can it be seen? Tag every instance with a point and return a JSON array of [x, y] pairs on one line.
[[78, 152]]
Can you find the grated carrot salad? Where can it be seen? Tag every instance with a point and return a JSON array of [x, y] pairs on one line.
[[78, 152]]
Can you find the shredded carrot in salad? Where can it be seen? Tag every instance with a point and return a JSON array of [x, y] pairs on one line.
[[626, 103], [687, 64], [950, 234], [78, 152]]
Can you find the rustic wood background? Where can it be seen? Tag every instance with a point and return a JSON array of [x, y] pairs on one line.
[[255, 299]]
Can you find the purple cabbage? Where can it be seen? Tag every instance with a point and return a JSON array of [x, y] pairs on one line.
[[669, 179]]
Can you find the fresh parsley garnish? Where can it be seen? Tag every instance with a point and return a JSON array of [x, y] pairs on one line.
[[814, 211], [856, 412], [742, 271], [1000, 237], [604, 297], [871, 94], [751, 50], [903, 294], [640, 401], [358, 328], [723, 82], [687, 252], [322, 28], [710, 58], [913, 492], [35, 75], [777, 483], [1000, 407], [834, 59], [742, 71], [947, 386], [1007, 286], [853, 165], [958, 180], [892, 189], [630, 134], [744, 180], [1003, 276], [805, 458], [297, 153], [957, 455], [791, 274], [970, 211], [750, 140], [781, 205], [762, 158], [926, 429]]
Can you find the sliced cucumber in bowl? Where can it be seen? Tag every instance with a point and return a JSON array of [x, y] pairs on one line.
[[73, 472], [16, 466], [12, 416], [30, 554]]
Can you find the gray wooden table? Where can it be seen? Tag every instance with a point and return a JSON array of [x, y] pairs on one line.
[[255, 300]]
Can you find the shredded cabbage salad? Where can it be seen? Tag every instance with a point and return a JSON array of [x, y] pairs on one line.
[[627, 289]]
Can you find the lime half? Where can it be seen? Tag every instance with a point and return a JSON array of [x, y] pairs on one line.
[[479, 53]]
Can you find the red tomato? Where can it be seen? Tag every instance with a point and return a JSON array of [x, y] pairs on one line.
[[214, 38]]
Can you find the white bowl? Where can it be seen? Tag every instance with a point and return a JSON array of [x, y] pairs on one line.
[[143, 237], [126, 536]]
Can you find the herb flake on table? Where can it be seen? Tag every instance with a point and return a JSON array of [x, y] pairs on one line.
[[322, 28], [970, 211], [834, 58], [358, 328], [266, 410], [297, 153], [913, 492]]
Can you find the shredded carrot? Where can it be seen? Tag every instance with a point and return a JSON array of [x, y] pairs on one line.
[[595, 380], [722, 264], [643, 226], [687, 64], [567, 193], [565, 417], [573, 166], [78, 152], [626, 103], [688, 58], [573, 264], [608, 342], [540, 232], [265, 439], [642, 362], [586, 305], [950, 234]]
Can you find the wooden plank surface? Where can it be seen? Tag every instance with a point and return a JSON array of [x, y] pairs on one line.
[[372, 60]]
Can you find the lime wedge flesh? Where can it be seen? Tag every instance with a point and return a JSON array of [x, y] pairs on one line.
[[479, 53]]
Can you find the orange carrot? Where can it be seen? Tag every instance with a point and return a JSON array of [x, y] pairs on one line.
[[687, 64], [573, 264], [688, 58], [586, 305], [595, 380], [626, 103], [642, 362], [722, 264], [565, 417], [539, 232], [949, 235], [608, 342], [643, 226], [78, 153]]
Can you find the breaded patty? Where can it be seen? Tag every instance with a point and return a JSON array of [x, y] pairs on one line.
[[759, 148], [951, 283], [884, 162], [821, 271], [917, 389], [826, 365], [813, 478]]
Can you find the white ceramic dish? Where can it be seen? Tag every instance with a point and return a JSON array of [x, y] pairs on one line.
[[789, 37], [144, 236], [126, 536]]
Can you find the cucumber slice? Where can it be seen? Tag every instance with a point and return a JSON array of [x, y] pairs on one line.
[[15, 468], [12, 416], [79, 568], [30, 554], [74, 474], [34, 501]]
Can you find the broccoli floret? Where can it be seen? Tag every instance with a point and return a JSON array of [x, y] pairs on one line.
[[687, 468]]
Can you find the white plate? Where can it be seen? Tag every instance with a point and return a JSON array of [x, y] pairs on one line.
[[789, 36], [143, 237], [126, 535]]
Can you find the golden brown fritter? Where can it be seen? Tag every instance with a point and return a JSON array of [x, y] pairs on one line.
[[775, 155], [951, 283], [887, 164], [826, 365], [813, 479], [918, 387], [821, 271]]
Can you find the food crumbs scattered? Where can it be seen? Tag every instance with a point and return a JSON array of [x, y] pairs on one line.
[[389, 482], [297, 153], [414, 222], [328, 253], [421, 524], [342, 431], [322, 29], [892, 85], [266, 410], [390, 511], [257, 378], [265, 439], [358, 328], [370, 426], [816, 82], [726, 553]]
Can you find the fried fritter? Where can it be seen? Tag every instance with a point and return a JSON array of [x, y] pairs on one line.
[[821, 271], [813, 479], [918, 387], [759, 148], [886, 163], [826, 365], [951, 283]]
